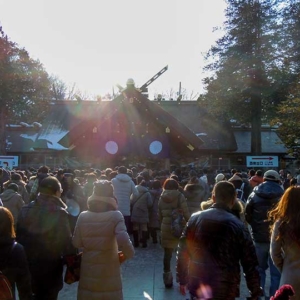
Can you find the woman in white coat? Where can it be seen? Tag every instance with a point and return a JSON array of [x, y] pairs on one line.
[[101, 233], [285, 238]]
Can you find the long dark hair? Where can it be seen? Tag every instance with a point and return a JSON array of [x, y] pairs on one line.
[[287, 211]]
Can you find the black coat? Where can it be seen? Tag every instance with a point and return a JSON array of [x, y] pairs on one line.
[[211, 249], [263, 198], [14, 266], [44, 231]]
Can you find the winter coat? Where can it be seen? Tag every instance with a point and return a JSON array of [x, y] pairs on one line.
[[153, 218], [194, 194], [123, 188], [168, 201], [44, 231], [12, 201], [260, 202], [101, 234], [141, 205], [285, 253], [211, 249], [22, 189], [14, 266]]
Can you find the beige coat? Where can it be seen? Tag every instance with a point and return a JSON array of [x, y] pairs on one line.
[[101, 235], [285, 253], [12, 201], [167, 202]]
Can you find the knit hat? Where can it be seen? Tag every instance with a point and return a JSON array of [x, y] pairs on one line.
[[235, 177], [220, 177], [272, 175]]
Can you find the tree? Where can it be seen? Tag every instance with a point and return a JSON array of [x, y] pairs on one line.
[[241, 61], [289, 117], [24, 87]]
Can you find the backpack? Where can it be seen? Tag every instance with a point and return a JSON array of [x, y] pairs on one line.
[[6, 292], [177, 220], [240, 192]]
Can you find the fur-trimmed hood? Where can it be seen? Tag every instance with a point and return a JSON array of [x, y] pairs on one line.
[[101, 204], [194, 190]]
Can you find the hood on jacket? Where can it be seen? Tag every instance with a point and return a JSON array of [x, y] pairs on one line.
[[7, 195], [169, 195], [49, 200], [268, 190], [193, 190], [123, 177], [142, 189], [101, 204]]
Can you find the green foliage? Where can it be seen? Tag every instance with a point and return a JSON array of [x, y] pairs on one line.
[[24, 84], [243, 60], [288, 117]]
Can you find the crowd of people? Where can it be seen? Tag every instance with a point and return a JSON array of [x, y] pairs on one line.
[[232, 219]]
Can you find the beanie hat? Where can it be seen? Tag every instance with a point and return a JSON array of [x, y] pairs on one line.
[[220, 177], [272, 175]]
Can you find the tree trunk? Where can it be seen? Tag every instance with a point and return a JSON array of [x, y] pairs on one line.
[[2, 131]]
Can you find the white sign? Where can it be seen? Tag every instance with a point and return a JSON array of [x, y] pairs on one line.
[[9, 162], [262, 161]]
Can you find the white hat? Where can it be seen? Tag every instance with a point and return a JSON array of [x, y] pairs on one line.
[[219, 177], [272, 175]]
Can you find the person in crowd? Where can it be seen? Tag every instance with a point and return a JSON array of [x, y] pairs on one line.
[[12, 200], [4, 177], [220, 177], [251, 173], [13, 261], [170, 199], [262, 200], [287, 181], [101, 233], [140, 212], [153, 217], [17, 179], [43, 229], [124, 189], [242, 186], [89, 185], [256, 179], [285, 238], [293, 182], [282, 176], [213, 245], [194, 193], [42, 173]]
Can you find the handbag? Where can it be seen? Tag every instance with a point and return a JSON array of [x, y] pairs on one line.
[[73, 263], [177, 220]]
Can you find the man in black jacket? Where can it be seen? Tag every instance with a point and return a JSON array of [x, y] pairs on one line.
[[44, 231], [212, 247], [263, 198]]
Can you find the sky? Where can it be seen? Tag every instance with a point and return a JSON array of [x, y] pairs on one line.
[[97, 44]]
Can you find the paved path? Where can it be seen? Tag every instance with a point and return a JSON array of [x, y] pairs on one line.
[[142, 276]]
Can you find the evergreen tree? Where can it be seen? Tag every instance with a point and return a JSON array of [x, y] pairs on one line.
[[24, 87], [241, 62]]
